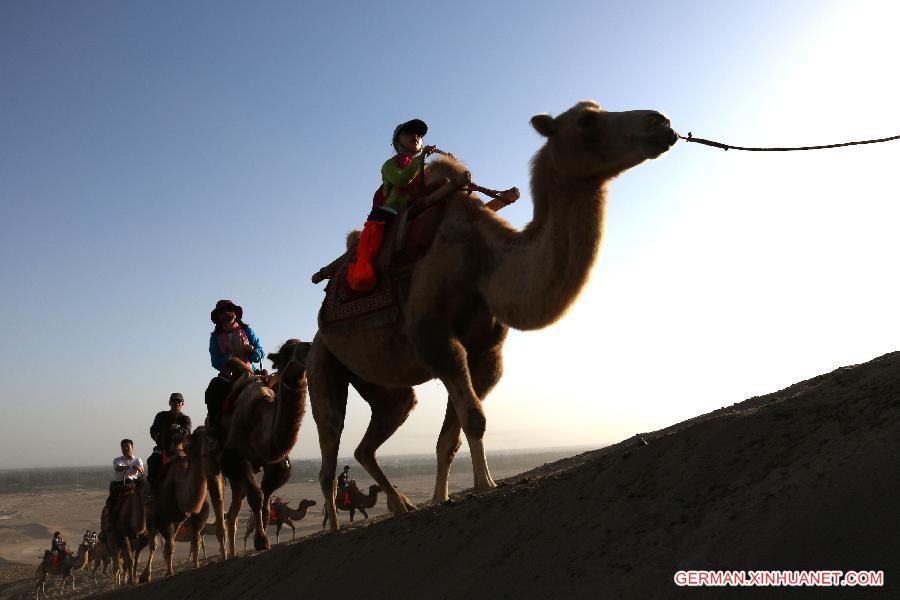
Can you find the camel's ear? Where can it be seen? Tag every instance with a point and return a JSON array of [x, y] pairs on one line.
[[544, 125]]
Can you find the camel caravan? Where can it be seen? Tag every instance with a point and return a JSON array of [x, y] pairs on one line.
[[427, 290]]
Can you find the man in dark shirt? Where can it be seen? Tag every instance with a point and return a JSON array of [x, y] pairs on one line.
[[168, 428]]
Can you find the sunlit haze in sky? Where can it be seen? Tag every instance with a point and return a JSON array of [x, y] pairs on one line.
[[155, 157]]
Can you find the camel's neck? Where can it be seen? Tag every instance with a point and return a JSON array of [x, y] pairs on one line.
[[538, 272], [81, 558], [290, 402], [190, 492], [370, 500]]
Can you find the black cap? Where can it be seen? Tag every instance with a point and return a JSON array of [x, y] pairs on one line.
[[413, 126], [176, 397]]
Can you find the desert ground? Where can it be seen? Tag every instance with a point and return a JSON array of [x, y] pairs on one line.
[[28, 520], [805, 478]]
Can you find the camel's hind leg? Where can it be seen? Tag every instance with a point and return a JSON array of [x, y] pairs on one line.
[[485, 372], [251, 527], [328, 381], [390, 408], [240, 472], [275, 475], [446, 358]]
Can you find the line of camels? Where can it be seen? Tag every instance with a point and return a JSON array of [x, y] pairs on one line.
[[480, 277]]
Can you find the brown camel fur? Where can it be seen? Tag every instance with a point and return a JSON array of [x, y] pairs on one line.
[[181, 494], [130, 523], [284, 515], [358, 502], [479, 277], [67, 564], [261, 431], [195, 525]]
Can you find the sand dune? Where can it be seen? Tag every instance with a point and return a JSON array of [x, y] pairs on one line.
[[26, 530], [805, 478]]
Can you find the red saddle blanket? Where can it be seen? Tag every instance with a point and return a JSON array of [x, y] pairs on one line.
[[345, 308]]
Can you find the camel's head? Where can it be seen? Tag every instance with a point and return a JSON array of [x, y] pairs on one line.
[[587, 141], [290, 360]]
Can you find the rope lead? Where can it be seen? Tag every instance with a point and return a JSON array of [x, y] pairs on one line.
[[690, 138]]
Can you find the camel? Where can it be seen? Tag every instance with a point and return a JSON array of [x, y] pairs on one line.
[[67, 564], [284, 515], [195, 525], [99, 557], [121, 540], [479, 277], [179, 496], [358, 501], [261, 430]]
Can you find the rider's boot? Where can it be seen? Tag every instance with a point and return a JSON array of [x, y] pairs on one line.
[[361, 274]]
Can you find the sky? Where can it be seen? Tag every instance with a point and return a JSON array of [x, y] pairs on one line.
[[156, 157]]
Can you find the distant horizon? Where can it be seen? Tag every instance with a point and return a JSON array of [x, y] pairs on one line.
[[349, 459]]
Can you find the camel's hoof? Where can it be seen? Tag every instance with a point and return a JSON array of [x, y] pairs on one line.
[[145, 578], [261, 544], [435, 501]]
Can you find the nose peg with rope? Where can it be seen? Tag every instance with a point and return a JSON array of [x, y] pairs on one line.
[[690, 138]]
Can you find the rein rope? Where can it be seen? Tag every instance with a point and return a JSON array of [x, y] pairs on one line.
[[726, 147]]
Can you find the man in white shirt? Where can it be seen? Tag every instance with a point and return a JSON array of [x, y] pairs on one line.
[[128, 469]]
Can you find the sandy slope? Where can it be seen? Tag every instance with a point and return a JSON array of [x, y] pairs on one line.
[[805, 478]]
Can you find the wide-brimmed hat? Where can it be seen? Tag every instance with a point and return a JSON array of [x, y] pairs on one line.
[[224, 305], [413, 126]]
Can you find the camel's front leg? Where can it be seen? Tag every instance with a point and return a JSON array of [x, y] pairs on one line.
[[446, 358], [449, 441], [169, 547], [328, 381], [130, 563], [238, 492], [214, 485], [151, 550], [390, 408], [485, 372], [240, 472]]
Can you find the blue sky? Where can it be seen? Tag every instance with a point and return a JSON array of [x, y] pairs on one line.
[[155, 157]]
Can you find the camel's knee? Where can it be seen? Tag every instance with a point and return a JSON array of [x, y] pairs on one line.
[[364, 454], [448, 445], [475, 422]]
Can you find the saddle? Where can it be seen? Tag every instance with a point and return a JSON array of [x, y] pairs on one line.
[[52, 558], [240, 383], [406, 240]]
